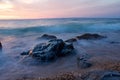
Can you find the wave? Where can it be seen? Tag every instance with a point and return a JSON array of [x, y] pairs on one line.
[[61, 26]]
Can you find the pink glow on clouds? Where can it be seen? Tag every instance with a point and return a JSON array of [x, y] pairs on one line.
[[17, 9]]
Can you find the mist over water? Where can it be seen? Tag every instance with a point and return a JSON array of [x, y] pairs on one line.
[[21, 35]]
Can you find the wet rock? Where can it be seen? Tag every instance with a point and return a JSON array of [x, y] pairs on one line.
[[51, 50], [71, 40], [88, 36], [0, 46], [47, 36], [25, 53], [102, 75], [83, 63]]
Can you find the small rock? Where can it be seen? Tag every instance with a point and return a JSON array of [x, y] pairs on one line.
[[113, 42], [0, 46], [88, 36], [71, 40], [46, 36], [83, 64]]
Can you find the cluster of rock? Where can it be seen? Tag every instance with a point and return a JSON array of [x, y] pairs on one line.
[[86, 36], [57, 47], [51, 50]]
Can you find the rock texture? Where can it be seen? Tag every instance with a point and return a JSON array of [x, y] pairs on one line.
[[88, 36], [51, 50]]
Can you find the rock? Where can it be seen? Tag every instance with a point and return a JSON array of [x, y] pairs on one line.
[[51, 50], [83, 63], [46, 36], [88, 36], [25, 53], [0, 46], [71, 40], [102, 75]]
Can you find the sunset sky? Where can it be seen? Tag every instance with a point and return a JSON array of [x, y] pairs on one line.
[[30, 9]]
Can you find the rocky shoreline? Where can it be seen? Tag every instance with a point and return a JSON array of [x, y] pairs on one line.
[[96, 63]]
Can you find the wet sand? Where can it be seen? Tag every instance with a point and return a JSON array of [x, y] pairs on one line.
[[103, 54]]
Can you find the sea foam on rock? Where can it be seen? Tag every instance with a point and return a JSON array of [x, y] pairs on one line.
[[50, 50]]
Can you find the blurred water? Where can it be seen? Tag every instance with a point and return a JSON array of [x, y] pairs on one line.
[[63, 25], [22, 35]]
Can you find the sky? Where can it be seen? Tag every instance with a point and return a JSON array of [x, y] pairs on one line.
[[30, 9]]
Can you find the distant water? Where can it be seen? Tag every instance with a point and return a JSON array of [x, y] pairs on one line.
[[62, 25]]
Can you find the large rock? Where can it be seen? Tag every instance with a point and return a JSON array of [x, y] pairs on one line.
[[47, 36], [0, 46], [51, 50], [88, 36]]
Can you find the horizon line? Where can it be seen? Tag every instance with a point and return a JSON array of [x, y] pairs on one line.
[[64, 18]]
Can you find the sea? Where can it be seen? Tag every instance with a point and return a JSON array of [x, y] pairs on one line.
[[17, 36], [58, 25], [22, 34]]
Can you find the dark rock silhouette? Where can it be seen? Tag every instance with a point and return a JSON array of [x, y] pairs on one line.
[[71, 40], [0, 46], [88, 36], [25, 53], [51, 50], [47, 36]]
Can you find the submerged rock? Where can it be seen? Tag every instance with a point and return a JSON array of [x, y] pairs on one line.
[[88, 36], [83, 63], [51, 50], [71, 40], [102, 75], [0, 46], [114, 42], [47, 36]]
